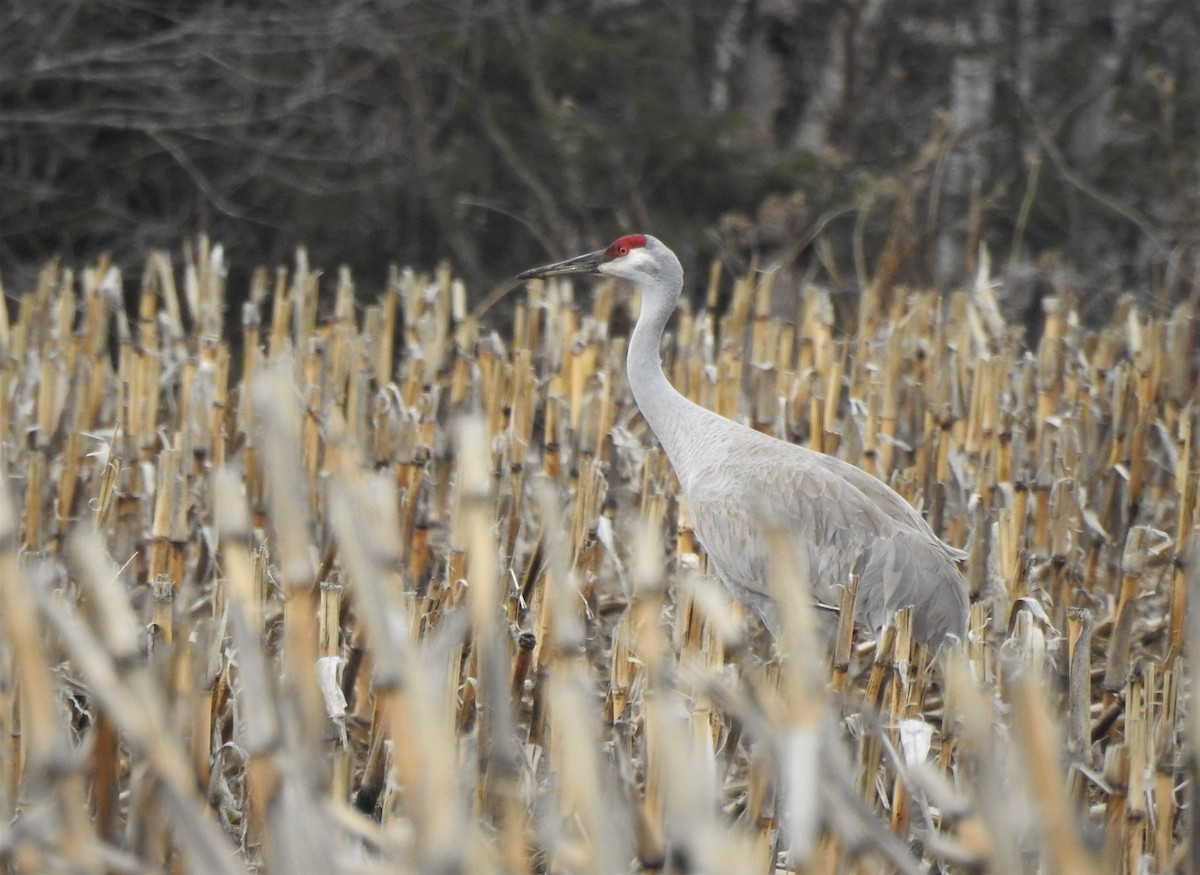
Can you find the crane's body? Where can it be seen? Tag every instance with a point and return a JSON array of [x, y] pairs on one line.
[[739, 484]]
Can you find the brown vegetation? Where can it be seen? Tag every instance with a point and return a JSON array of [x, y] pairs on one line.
[[386, 592]]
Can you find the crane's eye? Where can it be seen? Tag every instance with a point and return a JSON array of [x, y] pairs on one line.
[[622, 246]]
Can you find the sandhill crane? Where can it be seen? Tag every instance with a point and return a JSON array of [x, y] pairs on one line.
[[740, 483]]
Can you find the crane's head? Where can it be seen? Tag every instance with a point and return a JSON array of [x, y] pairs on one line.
[[639, 258]]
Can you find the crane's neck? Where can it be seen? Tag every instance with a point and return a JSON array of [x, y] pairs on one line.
[[675, 420]]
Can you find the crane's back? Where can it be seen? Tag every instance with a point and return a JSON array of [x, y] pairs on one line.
[[741, 484]]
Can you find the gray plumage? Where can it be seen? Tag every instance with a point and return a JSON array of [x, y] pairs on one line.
[[739, 484]]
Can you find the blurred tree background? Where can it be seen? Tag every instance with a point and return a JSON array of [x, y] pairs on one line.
[[838, 137]]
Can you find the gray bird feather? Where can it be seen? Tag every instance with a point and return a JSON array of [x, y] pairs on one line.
[[840, 519]]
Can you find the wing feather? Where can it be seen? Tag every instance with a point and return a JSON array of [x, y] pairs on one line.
[[842, 520]]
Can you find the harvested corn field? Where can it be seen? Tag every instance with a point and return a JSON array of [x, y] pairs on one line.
[[326, 586]]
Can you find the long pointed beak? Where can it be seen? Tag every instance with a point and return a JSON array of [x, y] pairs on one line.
[[579, 264]]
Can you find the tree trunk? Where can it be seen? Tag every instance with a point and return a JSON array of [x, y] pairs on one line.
[[854, 37], [972, 105]]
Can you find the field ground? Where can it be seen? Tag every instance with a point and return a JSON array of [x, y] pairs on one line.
[[313, 588]]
